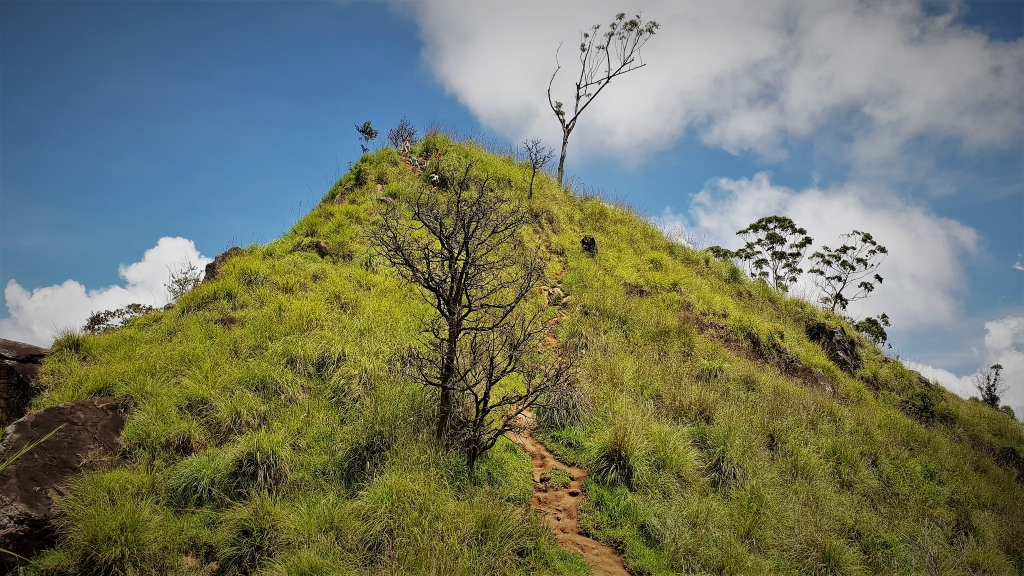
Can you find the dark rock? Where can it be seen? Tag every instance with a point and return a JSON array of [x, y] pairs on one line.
[[19, 378], [322, 248], [589, 246], [1009, 456], [342, 197], [637, 290], [840, 348], [30, 485], [228, 321], [213, 268]]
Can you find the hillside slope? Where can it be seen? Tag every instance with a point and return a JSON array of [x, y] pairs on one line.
[[277, 429]]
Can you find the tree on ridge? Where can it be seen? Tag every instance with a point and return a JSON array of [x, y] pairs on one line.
[[621, 44]]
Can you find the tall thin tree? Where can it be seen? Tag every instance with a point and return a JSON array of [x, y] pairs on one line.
[[538, 156], [602, 58], [837, 270]]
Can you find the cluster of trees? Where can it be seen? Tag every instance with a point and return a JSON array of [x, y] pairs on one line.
[[775, 248], [774, 251]]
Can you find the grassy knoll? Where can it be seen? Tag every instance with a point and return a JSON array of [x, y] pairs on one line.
[[276, 427]]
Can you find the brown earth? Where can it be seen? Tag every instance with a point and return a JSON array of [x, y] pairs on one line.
[[560, 509]]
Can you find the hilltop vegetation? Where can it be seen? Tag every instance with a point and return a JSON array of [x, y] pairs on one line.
[[277, 427]]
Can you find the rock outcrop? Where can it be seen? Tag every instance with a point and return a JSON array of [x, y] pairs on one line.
[[213, 268], [19, 378], [589, 246], [838, 346], [90, 437]]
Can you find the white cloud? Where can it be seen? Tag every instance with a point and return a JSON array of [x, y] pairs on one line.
[[923, 277], [747, 76], [36, 316], [1004, 345], [962, 386]]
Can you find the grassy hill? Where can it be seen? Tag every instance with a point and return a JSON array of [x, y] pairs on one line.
[[276, 427]]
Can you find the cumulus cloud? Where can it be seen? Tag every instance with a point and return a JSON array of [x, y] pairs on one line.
[[746, 76], [923, 276], [1004, 345], [36, 316]]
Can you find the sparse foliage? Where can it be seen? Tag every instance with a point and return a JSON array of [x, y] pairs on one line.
[[602, 58], [401, 133], [182, 279], [837, 270], [367, 133], [538, 156], [874, 328], [774, 248], [479, 350], [990, 385], [100, 322]]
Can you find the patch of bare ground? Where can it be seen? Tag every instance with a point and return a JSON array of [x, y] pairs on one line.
[[559, 506]]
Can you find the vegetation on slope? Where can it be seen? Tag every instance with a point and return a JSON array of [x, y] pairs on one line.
[[277, 427]]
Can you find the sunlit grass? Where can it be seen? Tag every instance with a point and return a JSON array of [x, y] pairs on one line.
[[277, 429]]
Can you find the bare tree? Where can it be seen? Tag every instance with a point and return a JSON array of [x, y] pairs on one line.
[[836, 270], [458, 243], [401, 133], [182, 279], [602, 58], [538, 156]]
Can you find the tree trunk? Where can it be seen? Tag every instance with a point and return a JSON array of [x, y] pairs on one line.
[[561, 159], [445, 408], [444, 414]]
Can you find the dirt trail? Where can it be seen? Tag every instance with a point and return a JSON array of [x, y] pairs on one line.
[[560, 508]]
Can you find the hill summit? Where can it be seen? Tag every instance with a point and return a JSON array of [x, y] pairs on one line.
[[717, 426]]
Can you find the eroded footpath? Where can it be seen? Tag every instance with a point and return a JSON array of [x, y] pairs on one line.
[[560, 509]]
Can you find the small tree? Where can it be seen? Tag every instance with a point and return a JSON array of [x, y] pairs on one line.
[[458, 244], [774, 248], [837, 270], [602, 58], [182, 279], [366, 133], [990, 385], [874, 328], [538, 156], [404, 131], [100, 322]]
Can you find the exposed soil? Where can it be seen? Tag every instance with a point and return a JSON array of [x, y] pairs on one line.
[[560, 509]]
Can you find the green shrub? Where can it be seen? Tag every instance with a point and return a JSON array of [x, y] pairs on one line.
[[251, 534], [197, 481], [258, 462]]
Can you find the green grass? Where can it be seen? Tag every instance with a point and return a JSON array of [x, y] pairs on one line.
[[557, 477], [294, 439]]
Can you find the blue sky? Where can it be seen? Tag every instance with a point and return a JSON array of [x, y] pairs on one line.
[[222, 122]]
